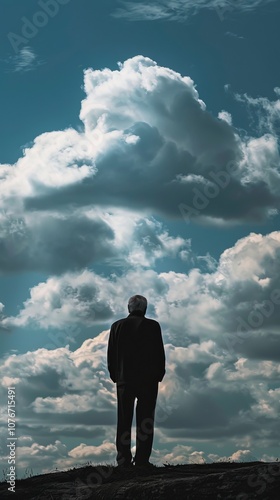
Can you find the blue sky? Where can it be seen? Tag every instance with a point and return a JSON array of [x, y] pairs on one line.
[[140, 154]]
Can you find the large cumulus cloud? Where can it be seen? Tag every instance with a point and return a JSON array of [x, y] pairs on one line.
[[236, 305], [149, 144]]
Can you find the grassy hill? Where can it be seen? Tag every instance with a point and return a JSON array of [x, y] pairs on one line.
[[216, 481]]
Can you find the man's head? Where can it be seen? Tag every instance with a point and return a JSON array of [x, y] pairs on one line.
[[137, 303]]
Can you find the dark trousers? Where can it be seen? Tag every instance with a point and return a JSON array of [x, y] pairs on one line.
[[146, 394]]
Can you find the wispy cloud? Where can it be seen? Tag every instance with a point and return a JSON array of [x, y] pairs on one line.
[[234, 35], [180, 10], [25, 60]]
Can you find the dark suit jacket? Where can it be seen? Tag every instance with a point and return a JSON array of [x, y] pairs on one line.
[[135, 350]]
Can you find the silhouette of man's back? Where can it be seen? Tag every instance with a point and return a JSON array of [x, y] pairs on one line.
[[136, 363]]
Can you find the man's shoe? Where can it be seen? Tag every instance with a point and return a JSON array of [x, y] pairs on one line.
[[125, 465], [147, 465]]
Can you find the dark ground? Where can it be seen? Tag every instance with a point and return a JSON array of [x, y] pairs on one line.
[[231, 481]]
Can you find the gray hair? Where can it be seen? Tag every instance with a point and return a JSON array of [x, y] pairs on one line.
[[137, 303]]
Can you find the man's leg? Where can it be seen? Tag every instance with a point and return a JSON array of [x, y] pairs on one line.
[[145, 412], [126, 398]]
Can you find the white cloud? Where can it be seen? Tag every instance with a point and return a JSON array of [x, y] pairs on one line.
[[35, 457], [265, 114], [179, 454], [241, 455], [43, 455], [55, 160], [84, 451], [226, 116], [149, 145], [258, 152]]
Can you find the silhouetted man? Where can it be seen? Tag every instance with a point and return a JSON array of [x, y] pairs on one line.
[[136, 363]]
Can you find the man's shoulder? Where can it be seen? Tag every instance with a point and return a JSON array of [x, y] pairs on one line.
[[116, 323], [153, 322]]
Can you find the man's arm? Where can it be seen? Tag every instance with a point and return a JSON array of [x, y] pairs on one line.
[[160, 355], [111, 355]]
